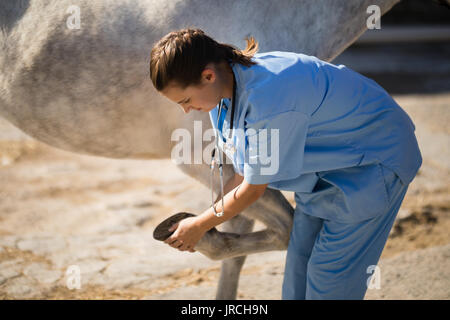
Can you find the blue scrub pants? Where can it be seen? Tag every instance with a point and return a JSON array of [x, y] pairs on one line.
[[329, 260]]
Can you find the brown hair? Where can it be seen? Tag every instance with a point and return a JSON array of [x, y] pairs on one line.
[[181, 56]]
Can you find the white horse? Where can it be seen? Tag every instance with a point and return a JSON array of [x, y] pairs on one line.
[[74, 75]]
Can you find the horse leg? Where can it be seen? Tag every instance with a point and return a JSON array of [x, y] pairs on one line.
[[218, 245], [231, 268], [271, 208]]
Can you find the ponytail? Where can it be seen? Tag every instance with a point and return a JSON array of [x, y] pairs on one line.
[[241, 56]]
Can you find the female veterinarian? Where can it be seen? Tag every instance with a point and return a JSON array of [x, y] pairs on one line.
[[342, 144]]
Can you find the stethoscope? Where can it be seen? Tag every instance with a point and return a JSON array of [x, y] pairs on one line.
[[228, 145]]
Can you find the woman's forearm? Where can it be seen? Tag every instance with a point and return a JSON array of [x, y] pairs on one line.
[[235, 201], [232, 183]]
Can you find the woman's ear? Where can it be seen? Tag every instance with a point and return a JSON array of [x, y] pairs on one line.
[[209, 73]]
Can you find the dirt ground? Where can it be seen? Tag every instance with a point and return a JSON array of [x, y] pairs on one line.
[[60, 209]]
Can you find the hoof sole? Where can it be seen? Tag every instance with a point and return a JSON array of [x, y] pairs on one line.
[[162, 232]]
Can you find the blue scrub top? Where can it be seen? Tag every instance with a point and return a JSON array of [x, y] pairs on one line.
[[318, 118]]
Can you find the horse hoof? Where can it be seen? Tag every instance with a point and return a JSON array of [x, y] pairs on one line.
[[162, 232]]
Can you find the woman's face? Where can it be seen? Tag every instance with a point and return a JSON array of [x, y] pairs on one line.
[[203, 97]]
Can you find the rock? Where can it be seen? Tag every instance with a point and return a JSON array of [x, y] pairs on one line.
[[10, 269], [8, 273], [42, 273], [8, 241], [19, 288], [42, 246], [92, 266]]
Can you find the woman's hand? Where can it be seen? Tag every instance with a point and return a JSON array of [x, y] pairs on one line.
[[188, 232]]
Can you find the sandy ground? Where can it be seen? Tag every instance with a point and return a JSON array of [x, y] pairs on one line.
[[60, 209]]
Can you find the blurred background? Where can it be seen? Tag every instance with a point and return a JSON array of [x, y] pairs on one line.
[[410, 53], [59, 209]]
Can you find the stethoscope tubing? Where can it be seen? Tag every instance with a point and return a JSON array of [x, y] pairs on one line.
[[213, 158]]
